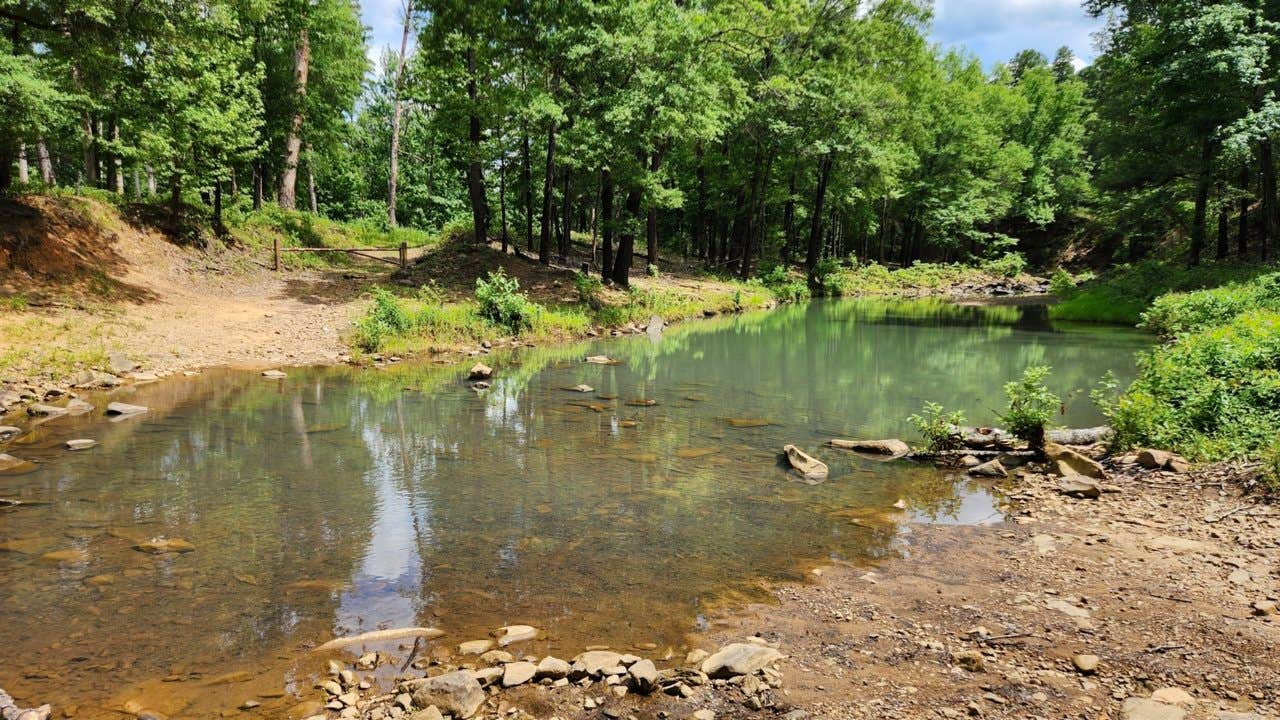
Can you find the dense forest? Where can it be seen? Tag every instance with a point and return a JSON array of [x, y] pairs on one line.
[[742, 134]]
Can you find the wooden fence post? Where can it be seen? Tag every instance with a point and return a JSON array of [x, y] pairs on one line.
[[404, 254], [275, 246]]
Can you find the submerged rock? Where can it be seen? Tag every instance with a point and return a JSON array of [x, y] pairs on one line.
[[594, 662], [76, 406], [582, 388], [457, 693], [81, 444], [739, 659], [125, 409], [515, 633], [42, 410], [160, 546], [810, 467], [480, 371], [10, 465], [893, 447], [8, 431], [601, 360], [273, 374], [518, 673]]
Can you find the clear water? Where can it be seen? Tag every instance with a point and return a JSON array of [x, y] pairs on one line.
[[339, 501]]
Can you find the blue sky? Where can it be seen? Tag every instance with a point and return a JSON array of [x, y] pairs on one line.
[[992, 29]]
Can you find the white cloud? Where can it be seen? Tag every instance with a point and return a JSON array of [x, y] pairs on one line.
[[995, 30], [385, 19]]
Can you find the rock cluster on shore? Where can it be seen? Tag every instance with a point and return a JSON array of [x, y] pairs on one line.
[[9, 710], [594, 679]]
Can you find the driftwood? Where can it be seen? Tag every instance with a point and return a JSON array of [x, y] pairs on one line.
[[380, 636], [808, 466], [1081, 436]]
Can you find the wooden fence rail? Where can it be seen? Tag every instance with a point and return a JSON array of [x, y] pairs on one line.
[[402, 260]]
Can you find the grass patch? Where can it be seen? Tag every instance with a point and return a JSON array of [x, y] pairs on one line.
[[258, 230], [54, 349], [875, 279], [1178, 313], [1126, 292]]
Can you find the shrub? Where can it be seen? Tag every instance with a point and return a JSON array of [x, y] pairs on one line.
[[1209, 395], [937, 427], [1031, 405], [1008, 265], [1062, 285], [1191, 311], [652, 270], [384, 319], [1271, 466], [826, 276], [588, 288], [1125, 292], [502, 304], [782, 285]]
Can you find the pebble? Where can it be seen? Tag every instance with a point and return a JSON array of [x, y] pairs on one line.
[[1086, 664]]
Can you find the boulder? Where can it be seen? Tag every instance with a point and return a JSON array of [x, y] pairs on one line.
[[456, 693], [893, 448], [475, 647], [552, 667], [76, 406], [1085, 664], [739, 659], [1173, 696], [119, 408], [480, 371], [810, 467], [983, 438], [1162, 460], [644, 676], [594, 662], [1069, 462], [1147, 709], [518, 673], [991, 468], [431, 713], [488, 676], [119, 363], [515, 633], [1079, 486]]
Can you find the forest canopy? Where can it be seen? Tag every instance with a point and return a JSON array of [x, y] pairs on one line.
[[746, 135]]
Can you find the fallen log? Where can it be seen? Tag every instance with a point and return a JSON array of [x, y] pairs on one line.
[[1080, 436], [808, 466], [380, 636]]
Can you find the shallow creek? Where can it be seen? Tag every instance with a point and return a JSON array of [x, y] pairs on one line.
[[338, 501]]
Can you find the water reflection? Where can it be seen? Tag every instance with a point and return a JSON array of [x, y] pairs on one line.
[[339, 501]]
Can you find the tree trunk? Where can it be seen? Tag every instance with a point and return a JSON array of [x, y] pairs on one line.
[[502, 199], [606, 223], [90, 144], [789, 222], [566, 214], [548, 196], [700, 211], [1242, 233], [627, 239], [815, 225], [475, 171], [137, 182], [1202, 205], [151, 181], [46, 163], [311, 185], [393, 176], [293, 143], [175, 201], [117, 162], [258, 185], [217, 208], [1224, 224], [651, 221], [528, 190], [24, 174], [8, 155], [1270, 204]]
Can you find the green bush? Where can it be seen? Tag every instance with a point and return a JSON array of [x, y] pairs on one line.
[[502, 304], [384, 319], [1062, 285], [1127, 291], [652, 270], [1009, 265], [784, 287], [1271, 466], [1210, 395], [1031, 405], [826, 276], [937, 427], [589, 288], [1177, 313]]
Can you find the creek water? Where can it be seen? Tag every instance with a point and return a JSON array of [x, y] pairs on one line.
[[338, 501]]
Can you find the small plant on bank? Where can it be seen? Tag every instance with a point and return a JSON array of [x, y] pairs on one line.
[[1062, 285], [1031, 405], [384, 319], [1271, 466], [502, 303], [938, 428], [589, 288], [826, 275], [1009, 265], [652, 270]]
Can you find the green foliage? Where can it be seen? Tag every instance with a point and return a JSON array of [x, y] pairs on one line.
[[1271, 466], [785, 287], [1009, 265], [386, 318], [652, 270], [825, 276], [589, 289], [502, 304], [1062, 285], [1177, 313], [1210, 394], [1031, 405], [938, 428], [14, 302], [1123, 294]]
